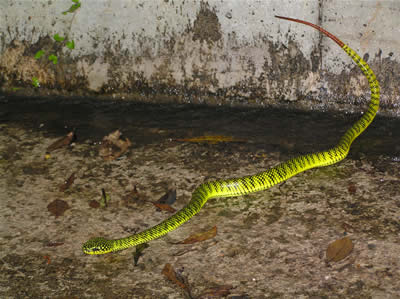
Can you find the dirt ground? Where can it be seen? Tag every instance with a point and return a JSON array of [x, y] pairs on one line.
[[270, 244]]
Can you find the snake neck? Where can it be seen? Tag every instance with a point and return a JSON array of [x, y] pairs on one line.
[[199, 198]]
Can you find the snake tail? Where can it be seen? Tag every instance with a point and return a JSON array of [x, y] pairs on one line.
[[257, 182]]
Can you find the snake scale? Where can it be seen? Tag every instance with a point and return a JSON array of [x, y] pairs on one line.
[[257, 182]]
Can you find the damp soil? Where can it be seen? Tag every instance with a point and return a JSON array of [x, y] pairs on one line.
[[269, 244]]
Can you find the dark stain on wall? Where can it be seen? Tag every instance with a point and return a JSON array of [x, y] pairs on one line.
[[197, 55], [206, 27]]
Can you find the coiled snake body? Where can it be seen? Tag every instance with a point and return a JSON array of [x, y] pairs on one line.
[[257, 182]]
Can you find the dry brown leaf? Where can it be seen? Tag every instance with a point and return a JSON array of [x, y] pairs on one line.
[[339, 249], [57, 207], [216, 292], [131, 196], [200, 236], [65, 141], [164, 207], [54, 244], [113, 147], [168, 198], [352, 188], [47, 258], [94, 204], [170, 273], [68, 182]]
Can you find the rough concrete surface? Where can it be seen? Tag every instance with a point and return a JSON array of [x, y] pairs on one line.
[[270, 244], [214, 52]]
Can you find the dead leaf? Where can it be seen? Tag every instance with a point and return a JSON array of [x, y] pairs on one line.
[[65, 141], [164, 207], [352, 188], [168, 198], [216, 292], [68, 182], [200, 236], [134, 196], [131, 195], [211, 139], [47, 258], [94, 204], [113, 147], [339, 249], [170, 273], [57, 207], [55, 244]]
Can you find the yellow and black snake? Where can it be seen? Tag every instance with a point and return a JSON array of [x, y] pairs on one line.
[[257, 182]]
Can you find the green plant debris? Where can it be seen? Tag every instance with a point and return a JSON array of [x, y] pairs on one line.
[[70, 45], [139, 252], [56, 48], [58, 38], [35, 82], [53, 58], [73, 7], [105, 198], [39, 54]]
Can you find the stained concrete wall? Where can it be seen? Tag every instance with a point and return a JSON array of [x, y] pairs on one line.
[[216, 52]]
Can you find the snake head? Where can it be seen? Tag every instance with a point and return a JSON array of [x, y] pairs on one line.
[[97, 245]]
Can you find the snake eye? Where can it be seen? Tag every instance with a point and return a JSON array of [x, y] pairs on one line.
[[92, 250]]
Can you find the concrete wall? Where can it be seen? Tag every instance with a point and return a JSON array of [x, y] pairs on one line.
[[216, 51]]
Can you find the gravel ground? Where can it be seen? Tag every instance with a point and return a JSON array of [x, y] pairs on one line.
[[270, 244]]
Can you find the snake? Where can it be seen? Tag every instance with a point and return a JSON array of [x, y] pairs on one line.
[[260, 181]]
